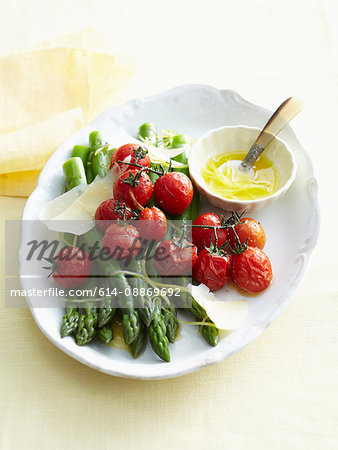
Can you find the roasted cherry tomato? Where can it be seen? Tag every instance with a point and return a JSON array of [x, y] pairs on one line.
[[122, 241], [170, 259], [135, 154], [152, 224], [251, 270], [202, 237], [213, 270], [110, 210], [71, 267], [173, 192], [251, 230], [133, 187]]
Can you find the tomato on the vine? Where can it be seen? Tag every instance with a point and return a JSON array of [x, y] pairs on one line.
[[122, 241], [134, 153], [250, 231], [152, 224], [202, 237], [133, 187], [110, 210], [251, 270], [212, 269], [71, 267], [172, 258], [173, 192]]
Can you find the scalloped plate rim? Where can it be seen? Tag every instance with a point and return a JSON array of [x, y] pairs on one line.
[[172, 370]]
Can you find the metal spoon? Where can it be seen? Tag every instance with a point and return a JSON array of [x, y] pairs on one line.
[[279, 119]]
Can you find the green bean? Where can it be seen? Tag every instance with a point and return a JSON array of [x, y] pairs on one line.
[[74, 173]]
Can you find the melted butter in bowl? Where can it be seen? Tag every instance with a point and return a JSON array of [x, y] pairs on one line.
[[223, 175]]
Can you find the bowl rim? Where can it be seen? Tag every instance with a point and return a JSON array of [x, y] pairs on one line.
[[258, 201]]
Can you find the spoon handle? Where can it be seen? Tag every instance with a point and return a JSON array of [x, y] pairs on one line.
[[279, 119]]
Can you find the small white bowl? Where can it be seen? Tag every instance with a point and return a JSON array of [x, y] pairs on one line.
[[240, 138]]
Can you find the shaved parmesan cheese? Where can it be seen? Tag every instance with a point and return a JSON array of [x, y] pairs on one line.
[[59, 204], [161, 154], [73, 212], [226, 315]]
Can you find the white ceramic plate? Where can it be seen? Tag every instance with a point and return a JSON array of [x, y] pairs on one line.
[[291, 225]]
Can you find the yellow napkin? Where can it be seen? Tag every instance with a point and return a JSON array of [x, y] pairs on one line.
[[48, 93]]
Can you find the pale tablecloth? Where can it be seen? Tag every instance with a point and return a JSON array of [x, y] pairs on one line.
[[281, 392]]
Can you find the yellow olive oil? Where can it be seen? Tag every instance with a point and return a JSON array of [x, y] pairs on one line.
[[224, 177], [118, 341]]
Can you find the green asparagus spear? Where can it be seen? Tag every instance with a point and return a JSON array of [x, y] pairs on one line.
[[195, 205], [131, 326], [148, 133], [158, 338], [70, 321], [86, 330], [82, 151], [171, 322], [90, 307], [136, 282], [147, 306], [210, 333], [74, 173], [179, 141], [95, 140], [106, 313], [171, 139], [89, 168], [94, 239], [101, 161], [147, 312], [91, 310], [153, 177], [138, 346], [105, 335], [131, 321], [186, 216]]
